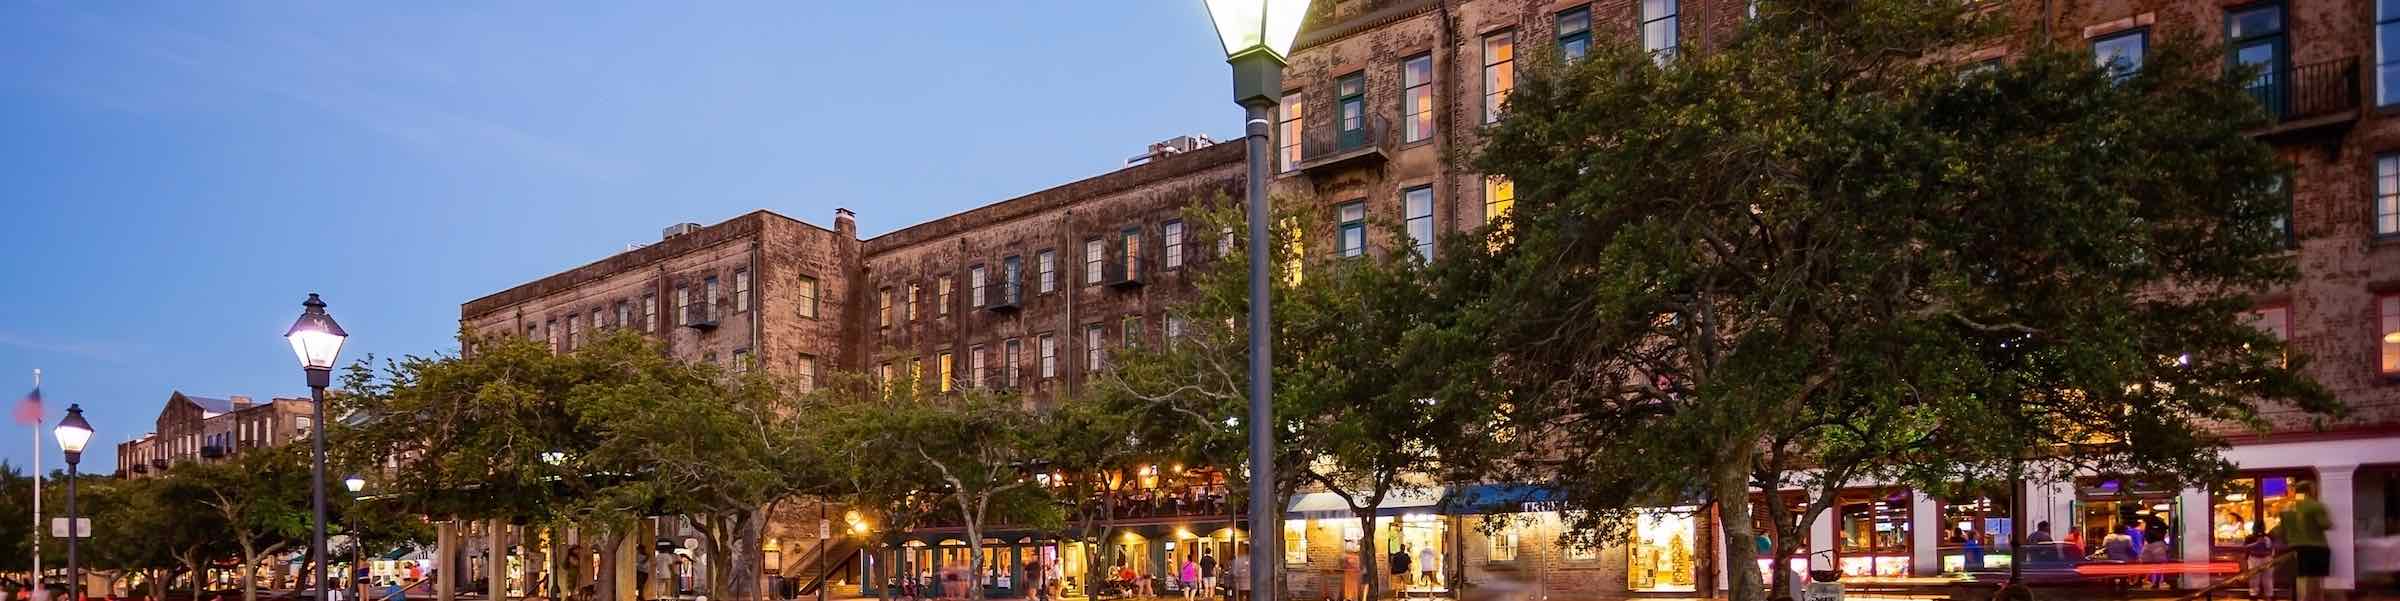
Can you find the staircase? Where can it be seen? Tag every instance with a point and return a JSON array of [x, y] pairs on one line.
[[805, 569]]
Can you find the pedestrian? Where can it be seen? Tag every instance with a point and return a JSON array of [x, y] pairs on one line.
[[1189, 576], [1399, 567], [2118, 545], [2154, 550], [1208, 574], [2041, 533], [2304, 525], [1240, 573], [1429, 566], [2258, 557]]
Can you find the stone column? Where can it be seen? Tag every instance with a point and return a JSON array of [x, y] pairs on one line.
[[2336, 489], [495, 566], [445, 554], [1925, 534]]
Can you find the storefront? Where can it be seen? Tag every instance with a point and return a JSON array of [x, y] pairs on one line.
[[2147, 513], [1977, 527], [1662, 551], [2252, 502], [1873, 531]]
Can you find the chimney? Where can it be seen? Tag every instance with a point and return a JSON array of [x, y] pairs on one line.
[[845, 223], [678, 230], [241, 401]]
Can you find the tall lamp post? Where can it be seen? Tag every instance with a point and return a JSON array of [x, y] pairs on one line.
[[1256, 34], [316, 339], [358, 548], [72, 433]]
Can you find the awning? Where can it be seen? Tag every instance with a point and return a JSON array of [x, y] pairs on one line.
[[406, 553], [1501, 498], [1329, 506]]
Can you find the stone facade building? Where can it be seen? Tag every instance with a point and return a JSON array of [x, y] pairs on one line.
[[198, 428], [1381, 95]]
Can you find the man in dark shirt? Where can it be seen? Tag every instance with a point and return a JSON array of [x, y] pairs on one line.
[[1208, 574]]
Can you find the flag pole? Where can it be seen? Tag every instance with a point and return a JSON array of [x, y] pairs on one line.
[[38, 592]]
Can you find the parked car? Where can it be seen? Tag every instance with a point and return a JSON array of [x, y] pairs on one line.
[[2044, 563]]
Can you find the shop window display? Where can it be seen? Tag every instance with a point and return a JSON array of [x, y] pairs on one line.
[[1661, 552], [1873, 532], [1976, 530], [2253, 502]]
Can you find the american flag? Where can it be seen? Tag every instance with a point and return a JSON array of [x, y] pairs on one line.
[[29, 411]]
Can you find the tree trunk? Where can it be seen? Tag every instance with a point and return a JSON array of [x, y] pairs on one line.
[[604, 585], [1370, 581], [249, 570], [1731, 482], [192, 562], [741, 566], [158, 585], [974, 579]]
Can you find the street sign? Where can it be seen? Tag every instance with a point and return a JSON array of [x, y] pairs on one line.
[[824, 528], [83, 527]]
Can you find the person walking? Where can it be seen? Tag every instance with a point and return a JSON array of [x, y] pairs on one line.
[[1240, 573], [2258, 557], [2304, 525], [2040, 534], [2154, 550], [1189, 577], [1208, 574]]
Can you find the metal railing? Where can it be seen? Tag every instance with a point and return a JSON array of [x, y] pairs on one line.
[[2310, 90], [1318, 143]]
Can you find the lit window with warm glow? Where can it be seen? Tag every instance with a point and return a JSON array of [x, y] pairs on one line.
[[1416, 98], [2387, 311], [1499, 195], [1288, 138]]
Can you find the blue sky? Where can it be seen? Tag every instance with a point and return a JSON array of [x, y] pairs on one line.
[[178, 176]]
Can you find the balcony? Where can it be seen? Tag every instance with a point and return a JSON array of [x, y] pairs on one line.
[[1003, 297], [158, 463], [698, 317], [212, 451], [2307, 101], [1329, 148], [1125, 274]]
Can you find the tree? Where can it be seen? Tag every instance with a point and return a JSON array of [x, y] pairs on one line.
[[1801, 250], [259, 498], [140, 532], [971, 452]]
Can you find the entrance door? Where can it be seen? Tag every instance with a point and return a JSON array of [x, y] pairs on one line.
[[2254, 37]]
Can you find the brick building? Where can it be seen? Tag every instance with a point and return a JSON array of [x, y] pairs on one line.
[[1379, 91], [198, 428], [1029, 293]]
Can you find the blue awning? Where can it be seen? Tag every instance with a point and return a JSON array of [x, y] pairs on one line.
[[1501, 498]]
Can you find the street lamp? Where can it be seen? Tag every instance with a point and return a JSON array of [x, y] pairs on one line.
[[358, 548], [316, 339], [354, 483], [72, 433], [1256, 34]]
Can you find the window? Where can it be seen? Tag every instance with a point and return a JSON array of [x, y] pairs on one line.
[[574, 331], [1499, 72], [883, 311], [883, 375], [2387, 312], [1659, 19], [1012, 270], [1225, 242], [741, 360], [1499, 195], [683, 305], [2387, 52], [741, 290], [1353, 228], [1092, 251], [649, 308], [941, 296], [975, 285], [2275, 321], [1130, 242], [2252, 502], [1503, 544], [2254, 38], [1092, 339], [1133, 330], [804, 373], [1174, 247], [1416, 97], [550, 329], [1575, 32], [1295, 542], [1288, 142], [975, 366], [1047, 263], [2121, 54], [624, 314], [1350, 107], [1174, 328], [1419, 205], [1010, 354], [2387, 195], [532, 331], [1049, 356], [908, 306], [916, 371], [946, 375], [708, 310], [808, 297]]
